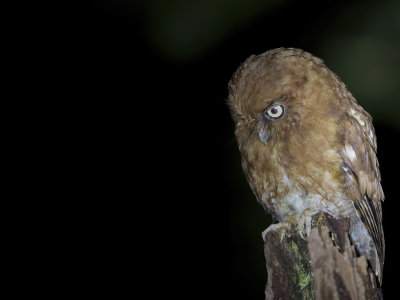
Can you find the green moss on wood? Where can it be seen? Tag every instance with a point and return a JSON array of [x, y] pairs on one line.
[[302, 275]]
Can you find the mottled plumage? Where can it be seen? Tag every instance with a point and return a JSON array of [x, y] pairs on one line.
[[307, 145]]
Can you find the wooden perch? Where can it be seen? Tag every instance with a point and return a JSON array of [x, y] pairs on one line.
[[324, 266]]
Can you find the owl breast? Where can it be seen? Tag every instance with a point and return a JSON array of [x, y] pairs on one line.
[[283, 196]]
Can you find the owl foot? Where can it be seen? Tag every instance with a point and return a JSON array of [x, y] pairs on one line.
[[280, 228], [304, 223]]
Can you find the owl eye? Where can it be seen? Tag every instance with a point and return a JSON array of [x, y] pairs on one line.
[[275, 112]]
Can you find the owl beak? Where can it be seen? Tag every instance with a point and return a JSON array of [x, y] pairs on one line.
[[264, 135]]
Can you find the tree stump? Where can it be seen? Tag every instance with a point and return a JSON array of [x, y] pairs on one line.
[[323, 266]]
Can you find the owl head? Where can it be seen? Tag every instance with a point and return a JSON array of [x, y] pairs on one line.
[[281, 95]]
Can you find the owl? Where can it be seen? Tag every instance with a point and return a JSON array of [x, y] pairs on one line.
[[307, 146]]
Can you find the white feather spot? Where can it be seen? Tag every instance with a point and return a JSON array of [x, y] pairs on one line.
[[357, 117], [371, 137], [264, 197], [285, 179], [350, 152]]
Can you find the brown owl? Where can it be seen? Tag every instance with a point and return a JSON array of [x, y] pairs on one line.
[[307, 146]]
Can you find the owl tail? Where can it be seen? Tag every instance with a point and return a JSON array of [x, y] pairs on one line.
[[366, 246]]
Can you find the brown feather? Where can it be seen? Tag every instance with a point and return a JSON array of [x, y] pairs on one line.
[[367, 176]]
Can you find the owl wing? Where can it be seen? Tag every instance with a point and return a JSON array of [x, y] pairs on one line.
[[362, 180]]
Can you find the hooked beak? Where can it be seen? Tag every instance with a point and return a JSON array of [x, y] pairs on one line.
[[264, 135]]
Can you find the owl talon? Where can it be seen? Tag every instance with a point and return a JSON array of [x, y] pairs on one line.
[[280, 228], [304, 224]]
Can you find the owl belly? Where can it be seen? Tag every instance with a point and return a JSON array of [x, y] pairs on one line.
[[295, 202], [288, 196]]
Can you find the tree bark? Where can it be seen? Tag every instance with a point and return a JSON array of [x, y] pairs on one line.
[[323, 266]]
